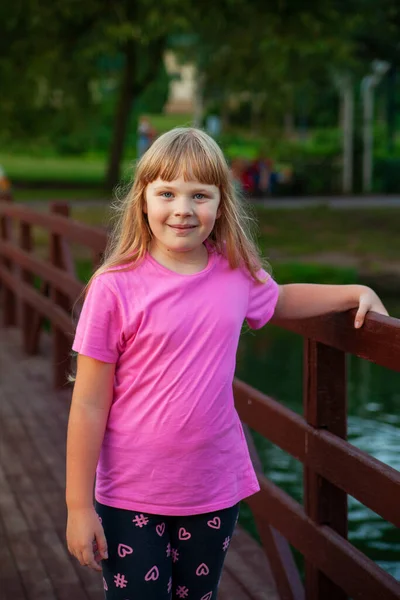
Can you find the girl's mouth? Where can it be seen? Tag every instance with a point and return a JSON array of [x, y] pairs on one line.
[[182, 227]]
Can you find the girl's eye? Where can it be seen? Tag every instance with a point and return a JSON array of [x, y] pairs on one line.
[[199, 196], [167, 195]]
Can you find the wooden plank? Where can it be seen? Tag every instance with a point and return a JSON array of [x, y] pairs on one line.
[[10, 581], [8, 299], [378, 340], [21, 544], [61, 355], [248, 566], [229, 589], [27, 312], [43, 305], [92, 237], [58, 565], [41, 508], [18, 448], [56, 276]]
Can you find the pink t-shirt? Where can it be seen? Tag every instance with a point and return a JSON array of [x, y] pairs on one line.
[[174, 443]]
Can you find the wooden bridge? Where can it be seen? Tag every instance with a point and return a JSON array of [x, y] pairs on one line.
[[34, 561]]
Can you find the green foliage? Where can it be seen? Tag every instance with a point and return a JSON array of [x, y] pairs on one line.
[[387, 175], [83, 269], [258, 62], [296, 272]]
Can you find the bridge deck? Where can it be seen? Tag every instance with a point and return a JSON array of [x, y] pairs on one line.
[[34, 561]]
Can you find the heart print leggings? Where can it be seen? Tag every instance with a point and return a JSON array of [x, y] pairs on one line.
[[153, 557]]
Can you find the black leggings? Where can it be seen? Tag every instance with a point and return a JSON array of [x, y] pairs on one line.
[[153, 557]]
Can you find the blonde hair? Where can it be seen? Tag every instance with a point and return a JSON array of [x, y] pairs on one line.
[[193, 155]]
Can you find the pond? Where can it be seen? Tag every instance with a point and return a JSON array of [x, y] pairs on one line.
[[271, 361]]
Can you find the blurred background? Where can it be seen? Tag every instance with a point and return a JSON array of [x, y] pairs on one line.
[[311, 91], [304, 99]]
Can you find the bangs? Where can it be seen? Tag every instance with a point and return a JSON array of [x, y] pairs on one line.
[[189, 156]]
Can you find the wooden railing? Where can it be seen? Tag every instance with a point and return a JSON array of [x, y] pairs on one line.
[[333, 468]]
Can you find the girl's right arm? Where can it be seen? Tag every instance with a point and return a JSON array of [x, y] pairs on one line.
[[91, 401]]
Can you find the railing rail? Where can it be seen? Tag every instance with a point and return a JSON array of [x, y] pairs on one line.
[[333, 468]]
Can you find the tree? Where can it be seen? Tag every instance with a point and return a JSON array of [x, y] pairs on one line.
[[50, 53], [65, 42], [270, 52]]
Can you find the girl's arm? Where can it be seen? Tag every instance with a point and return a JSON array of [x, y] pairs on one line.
[[90, 406], [302, 300]]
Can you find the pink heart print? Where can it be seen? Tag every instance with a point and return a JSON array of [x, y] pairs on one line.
[[160, 529], [214, 523], [153, 574], [183, 534], [207, 596], [202, 570], [105, 585], [123, 550]]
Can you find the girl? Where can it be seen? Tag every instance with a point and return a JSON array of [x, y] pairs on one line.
[[152, 406]]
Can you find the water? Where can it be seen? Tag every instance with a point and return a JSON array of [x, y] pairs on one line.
[[271, 360]]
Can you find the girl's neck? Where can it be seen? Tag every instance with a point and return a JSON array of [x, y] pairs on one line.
[[185, 263]]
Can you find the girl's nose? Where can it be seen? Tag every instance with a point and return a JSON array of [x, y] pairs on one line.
[[183, 208]]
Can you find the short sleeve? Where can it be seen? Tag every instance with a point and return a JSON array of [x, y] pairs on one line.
[[99, 330], [262, 300]]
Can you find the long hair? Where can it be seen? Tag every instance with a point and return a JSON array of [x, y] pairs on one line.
[[192, 154]]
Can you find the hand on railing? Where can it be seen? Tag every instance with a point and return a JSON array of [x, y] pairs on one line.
[[369, 301]]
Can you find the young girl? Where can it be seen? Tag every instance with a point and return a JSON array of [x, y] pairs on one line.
[[152, 406]]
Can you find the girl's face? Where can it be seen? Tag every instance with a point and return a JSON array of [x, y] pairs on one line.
[[181, 213]]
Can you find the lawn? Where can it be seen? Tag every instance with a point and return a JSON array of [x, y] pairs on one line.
[[72, 170], [77, 170], [367, 234], [80, 170]]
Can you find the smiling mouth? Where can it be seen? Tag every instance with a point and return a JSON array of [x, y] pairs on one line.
[[182, 227]]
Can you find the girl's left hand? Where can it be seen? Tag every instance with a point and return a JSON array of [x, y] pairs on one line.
[[368, 300]]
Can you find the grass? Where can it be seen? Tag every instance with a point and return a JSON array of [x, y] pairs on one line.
[[83, 170], [77, 170], [367, 234]]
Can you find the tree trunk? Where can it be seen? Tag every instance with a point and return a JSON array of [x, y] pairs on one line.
[[198, 111], [125, 102], [131, 87]]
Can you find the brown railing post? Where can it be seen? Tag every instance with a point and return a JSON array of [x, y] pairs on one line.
[[9, 298], [61, 342], [325, 407], [27, 311]]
